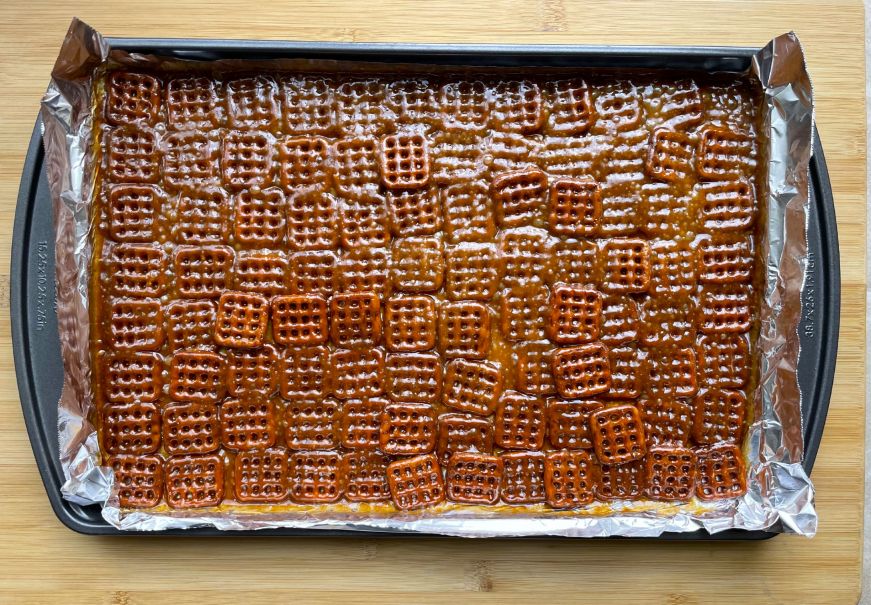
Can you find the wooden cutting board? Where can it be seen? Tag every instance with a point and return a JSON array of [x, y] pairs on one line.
[[42, 562]]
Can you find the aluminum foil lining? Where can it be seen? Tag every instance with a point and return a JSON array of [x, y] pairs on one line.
[[780, 494]]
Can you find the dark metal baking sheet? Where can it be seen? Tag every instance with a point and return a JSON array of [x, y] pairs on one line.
[[36, 347]]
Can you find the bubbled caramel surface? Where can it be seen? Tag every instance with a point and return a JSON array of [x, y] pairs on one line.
[[318, 290]]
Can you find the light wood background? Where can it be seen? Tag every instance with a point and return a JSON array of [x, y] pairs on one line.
[[42, 562]]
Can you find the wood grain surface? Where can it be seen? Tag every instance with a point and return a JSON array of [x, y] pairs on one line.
[[43, 562]]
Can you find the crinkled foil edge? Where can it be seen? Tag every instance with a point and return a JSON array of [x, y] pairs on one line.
[[780, 494]]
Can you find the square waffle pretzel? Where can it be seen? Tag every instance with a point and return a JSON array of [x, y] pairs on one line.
[[570, 157], [259, 218], [404, 160], [252, 372], [671, 473], [622, 481], [666, 211], [582, 371], [571, 107], [299, 319], [197, 376], [620, 320], [361, 423], [357, 170], [138, 270], [670, 155], [361, 107], [568, 423], [261, 476], [202, 216], [464, 330], [408, 429], [725, 153], [575, 206], [576, 262], [629, 371], [725, 260], [468, 212], [262, 272], [410, 323], [720, 472], [413, 377], [569, 478], [313, 272], [463, 433], [313, 425], [202, 271], [315, 477], [312, 220], [355, 319], [131, 428], [136, 324], [673, 372], [357, 373], [457, 158], [472, 271], [618, 434], [626, 265], [411, 101], [241, 321], [248, 424], [133, 212], [417, 264], [575, 314], [253, 103], [508, 152], [416, 482], [535, 368], [673, 268], [681, 106], [139, 479], [527, 257], [309, 106], [718, 415], [472, 386], [727, 205], [194, 481], [130, 377], [190, 159], [666, 420], [364, 224], [365, 270], [191, 428], [303, 162], [519, 196], [365, 476], [523, 477], [724, 310], [414, 212], [247, 159], [303, 373], [668, 321], [132, 98], [723, 360], [523, 312], [192, 103], [473, 478], [519, 422], [465, 105], [618, 107], [517, 107]]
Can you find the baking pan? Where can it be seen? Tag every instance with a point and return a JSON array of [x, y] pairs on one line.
[[35, 342]]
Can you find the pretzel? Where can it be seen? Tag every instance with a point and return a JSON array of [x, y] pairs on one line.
[[720, 472], [241, 321], [464, 330], [132, 98], [670, 473], [304, 373], [197, 376], [725, 153], [680, 104], [670, 155], [313, 425], [355, 319], [408, 429], [575, 314], [253, 103], [463, 433], [417, 264], [314, 272], [192, 103], [668, 321], [357, 169], [303, 162], [416, 482], [357, 373], [622, 481], [361, 423], [576, 262], [523, 477], [468, 213], [519, 422], [723, 360], [261, 476], [727, 205], [315, 477], [618, 107], [360, 105], [191, 428], [413, 377], [202, 216], [627, 265], [571, 107], [410, 323], [261, 272], [718, 416], [259, 218], [621, 175], [519, 196], [251, 372], [473, 478], [190, 159], [131, 428], [299, 319], [133, 212], [309, 106], [569, 478], [364, 224], [246, 159], [457, 159], [506, 152], [404, 161], [249, 424], [202, 271], [724, 310], [568, 423], [535, 368], [618, 435], [527, 255], [629, 370], [138, 270], [517, 107], [666, 420], [673, 372], [412, 101], [723, 260], [365, 476], [666, 211], [575, 206], [472, 386], [523, 313], [464, 105], [582, 371], [139, 480], [136, 324], [472, 271], [620, 320], [414, 212], [132, 377], [365, 270], [194, 481], [312, 220]]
